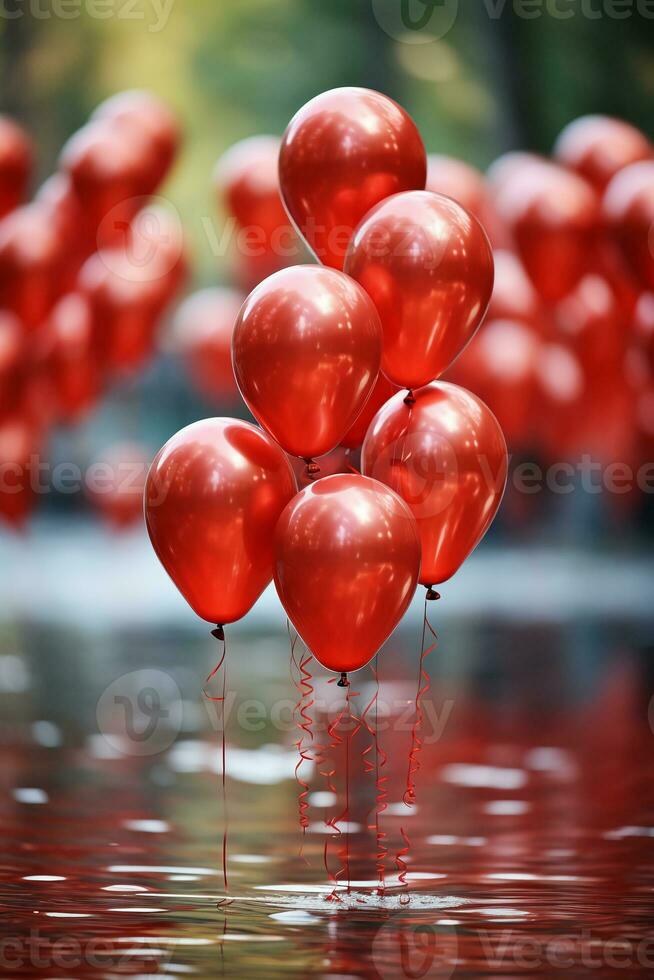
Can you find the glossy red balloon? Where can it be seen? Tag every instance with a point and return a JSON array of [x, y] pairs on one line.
[[67, 347], [597, 147], [347, 558], [467, 186], [58, 196], [140, 112], [342, 153], [428, 267], [514, 296], [115, 482], [202, 337], [306, 353], [246, 180], [213, 496], [553, 216], [628, 208], [16, 157], [447, 458]]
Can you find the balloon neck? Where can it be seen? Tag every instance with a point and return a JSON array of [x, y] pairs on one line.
[[312, 469], [219, 633], [432, 594], [343, 681], [410, 398]]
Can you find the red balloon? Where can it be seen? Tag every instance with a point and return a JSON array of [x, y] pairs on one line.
[[110, 175], [32, 262], [115, 482], [68, 350], [500, 367], [628, 208], [562, 387], [58, 196], [306, 352], [597, 147], [553, 217], [13, 361], [15, 164], [467, 186], [246, 180], [347, 558], [213, 496], [446, 456], [428, 266], [342, 153], [140, 112], [128, 290], [202, 336], [514, 297]]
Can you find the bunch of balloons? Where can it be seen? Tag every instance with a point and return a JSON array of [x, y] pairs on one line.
[[87, 268], [343, 353]]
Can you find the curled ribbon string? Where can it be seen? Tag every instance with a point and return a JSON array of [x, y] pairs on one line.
[[219, 634], [333, 822], [302, 678], [380, 784], [422, 688]]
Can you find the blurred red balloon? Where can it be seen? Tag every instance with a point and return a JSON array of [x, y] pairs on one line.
[[306, 352], [446, 456], [32, 262], [15, 164], [19, 448], [379, 396], [628, 208], [213, 496], [115, 482], [13, 361], [128, 290], [467, 186], [141, 112], [202, 337], [553, 216], [500, 367], [58, 196], [68, 349], [246, 180], [347, 557], [514, 297], [562, 386], [342, 153], [110, 175], [597, 147], [428, 267]]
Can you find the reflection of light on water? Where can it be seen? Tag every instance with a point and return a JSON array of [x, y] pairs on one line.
[[147, 826], [264, 766], [493, 777], [316, 898], [506, 808], [29, 794]]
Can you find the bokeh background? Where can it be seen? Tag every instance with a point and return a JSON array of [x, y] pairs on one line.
[[546, 634]]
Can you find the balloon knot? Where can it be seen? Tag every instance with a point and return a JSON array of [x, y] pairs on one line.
[[410, 398], [343, 681], [219, 633], [312, 467], [432, 594]]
